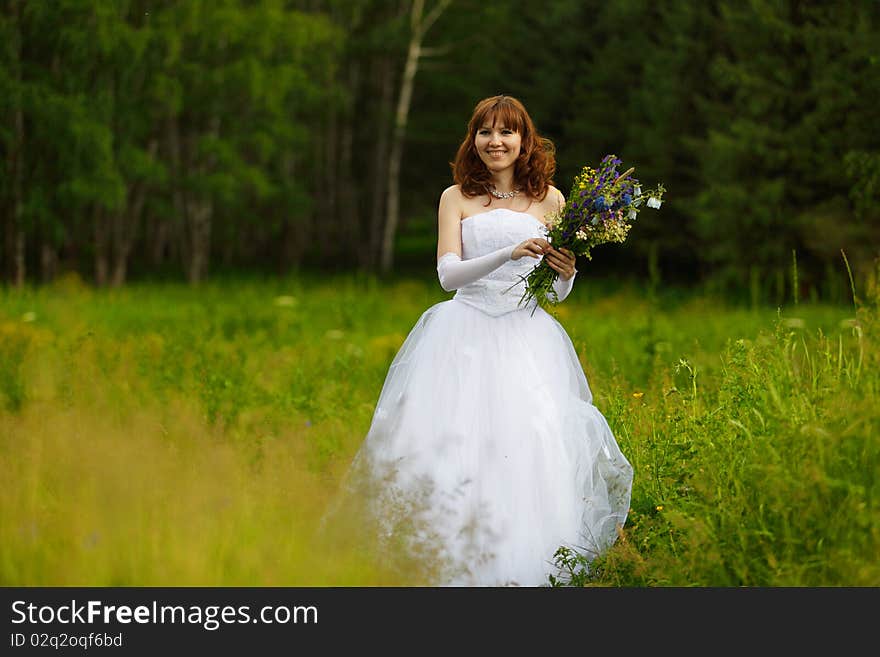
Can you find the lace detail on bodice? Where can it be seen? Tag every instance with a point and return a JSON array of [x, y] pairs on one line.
[[489, 231]]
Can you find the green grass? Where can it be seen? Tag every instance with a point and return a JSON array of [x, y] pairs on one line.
[[161, 435]]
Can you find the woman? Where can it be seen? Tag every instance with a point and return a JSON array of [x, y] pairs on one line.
[[485, 450]]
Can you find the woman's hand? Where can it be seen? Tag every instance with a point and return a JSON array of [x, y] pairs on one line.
[[561, 260], [534, 246]]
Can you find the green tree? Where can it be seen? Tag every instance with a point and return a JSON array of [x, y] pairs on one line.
[[794, 88], [63, 159]]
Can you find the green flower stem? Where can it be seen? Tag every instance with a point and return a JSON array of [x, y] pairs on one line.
[[539, 286]]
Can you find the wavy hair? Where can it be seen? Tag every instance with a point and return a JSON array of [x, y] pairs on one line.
[[535, 166]]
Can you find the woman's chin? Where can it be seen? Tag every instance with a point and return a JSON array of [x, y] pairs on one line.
[[495, 167]]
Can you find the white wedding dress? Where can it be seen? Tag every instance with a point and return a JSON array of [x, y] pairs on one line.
[[485, 449]]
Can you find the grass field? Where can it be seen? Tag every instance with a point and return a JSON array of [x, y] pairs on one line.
[[160, 435]]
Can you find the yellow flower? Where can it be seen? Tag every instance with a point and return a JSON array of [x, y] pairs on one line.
[[638, 395], [659, 507]]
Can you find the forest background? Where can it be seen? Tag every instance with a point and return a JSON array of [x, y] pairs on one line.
[[218, 224], [169, 140]]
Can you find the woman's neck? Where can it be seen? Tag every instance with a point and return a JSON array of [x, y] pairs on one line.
[[503, 180]]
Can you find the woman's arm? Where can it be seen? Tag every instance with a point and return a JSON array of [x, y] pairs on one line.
[[452, 271], [563, 260], [562, 286]]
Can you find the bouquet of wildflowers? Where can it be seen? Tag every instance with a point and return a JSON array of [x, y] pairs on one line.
[[600, 208]]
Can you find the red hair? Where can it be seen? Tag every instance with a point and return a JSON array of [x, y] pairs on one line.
[[535, 166]]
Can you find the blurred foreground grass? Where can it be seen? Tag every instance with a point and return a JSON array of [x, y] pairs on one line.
[[160, 435]]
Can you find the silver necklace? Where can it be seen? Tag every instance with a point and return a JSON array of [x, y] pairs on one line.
[[494, 192]]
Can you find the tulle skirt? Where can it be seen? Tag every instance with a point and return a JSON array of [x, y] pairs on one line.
[[485, 449]]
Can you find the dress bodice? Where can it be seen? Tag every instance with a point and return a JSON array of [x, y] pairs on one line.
[[489, 231]]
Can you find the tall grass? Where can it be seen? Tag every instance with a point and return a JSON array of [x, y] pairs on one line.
[[762, 471], [160, 435]]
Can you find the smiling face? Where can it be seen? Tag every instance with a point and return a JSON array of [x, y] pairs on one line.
[[502, 147], [497, 145]]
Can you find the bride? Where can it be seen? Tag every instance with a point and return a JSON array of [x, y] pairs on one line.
[[485, 453]]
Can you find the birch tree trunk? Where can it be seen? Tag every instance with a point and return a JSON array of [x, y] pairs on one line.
[[48, 261], [199, 229], [15, 235], [123, 230], [348, 215], [17, 219], [159, 231], [328, 226], [125, 225], [102, 245], [177, 227], [419, 27], [293, 232], [385, 74], [199, 211], [158, 238]]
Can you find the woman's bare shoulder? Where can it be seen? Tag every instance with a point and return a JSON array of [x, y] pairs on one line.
[[553, 192], [450, 203], [555, 198], [451, 193], [552, 197]]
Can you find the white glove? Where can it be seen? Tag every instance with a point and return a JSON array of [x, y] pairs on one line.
[[563, 287], [454, 272]]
